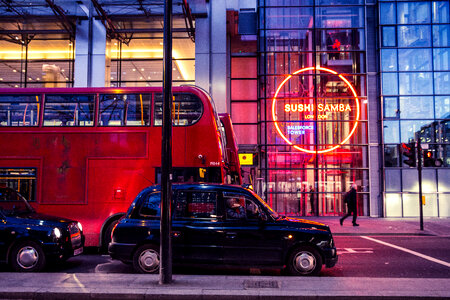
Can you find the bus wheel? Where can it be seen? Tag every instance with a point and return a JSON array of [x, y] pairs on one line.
[[146, 259], [304, 260], [106, 239], [27, 256]]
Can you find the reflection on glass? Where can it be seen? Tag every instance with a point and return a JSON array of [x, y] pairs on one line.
[[442, 83], [414, 36], [442, 106], [389, 59], [441, 59], [440, 12], [388, 35], [413, 12], [390, 84], [416, 107], [391, 160], [387, 13], [441, 35], [410, 130], [391, 132], [416, 83], [390, 107], [414, 59], [339, 17]]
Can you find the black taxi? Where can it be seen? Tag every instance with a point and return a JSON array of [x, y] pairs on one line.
[[28, 239], [220, 225]]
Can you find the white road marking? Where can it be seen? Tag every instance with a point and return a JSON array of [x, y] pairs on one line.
[[444, 263], [354, 250]]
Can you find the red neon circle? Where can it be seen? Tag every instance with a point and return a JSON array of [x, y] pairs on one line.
[[274, 116]]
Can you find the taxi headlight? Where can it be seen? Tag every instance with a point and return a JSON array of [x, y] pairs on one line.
[[79, 226], [56, 232]]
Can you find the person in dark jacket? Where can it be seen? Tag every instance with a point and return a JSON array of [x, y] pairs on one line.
[[350, 199]]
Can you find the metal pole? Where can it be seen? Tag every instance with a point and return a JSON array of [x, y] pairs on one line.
[[165, 271], [419, 170]]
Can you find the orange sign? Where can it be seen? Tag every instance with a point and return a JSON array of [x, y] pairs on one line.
[[322, 111]]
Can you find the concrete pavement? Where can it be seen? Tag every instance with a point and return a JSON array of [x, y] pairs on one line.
[[137, 286]]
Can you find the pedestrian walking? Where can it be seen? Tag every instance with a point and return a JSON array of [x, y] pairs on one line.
[[312, 200], [350, 200]]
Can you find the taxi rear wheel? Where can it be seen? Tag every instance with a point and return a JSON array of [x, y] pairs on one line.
[[146, 259], [27, 256], [304, 261]]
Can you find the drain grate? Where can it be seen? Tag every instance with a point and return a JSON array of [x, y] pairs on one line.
[[261, 284]]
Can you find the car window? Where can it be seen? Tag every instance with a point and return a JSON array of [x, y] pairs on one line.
[[240, 207], [151, 206], [194, 204]]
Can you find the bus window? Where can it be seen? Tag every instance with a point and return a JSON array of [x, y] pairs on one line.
[[22, 180], [19, 110], [124, 109], [186, 109], [69, 110]]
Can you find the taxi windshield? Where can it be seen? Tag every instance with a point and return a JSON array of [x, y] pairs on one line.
[[13, 203]]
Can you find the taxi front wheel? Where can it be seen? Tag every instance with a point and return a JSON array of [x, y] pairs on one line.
[[27, 256], [304, 260], [146, 259]]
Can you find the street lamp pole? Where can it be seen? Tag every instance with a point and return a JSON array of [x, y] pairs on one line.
[[165, 270]]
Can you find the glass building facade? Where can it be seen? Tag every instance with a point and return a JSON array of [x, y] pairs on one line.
[[415, 77]]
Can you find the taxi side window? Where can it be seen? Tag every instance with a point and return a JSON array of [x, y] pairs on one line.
[[151, 206], [193, 204], [239, 206]]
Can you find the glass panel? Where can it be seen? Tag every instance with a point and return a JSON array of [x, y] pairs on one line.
[[124, 109], [199, 204], [442, 106], [244, 112], [287, 40], [21, 180], [390, 84], [391, 160], [289, 17], [416, 107], [415, 83], [442, 83], [391, 132], [285, 2], [187, 109], [393, 180], [19, 110], [339, 17], [338, 2], [414, 36], [389, 59], [429, 181], [414, 59], [393, 205], [246, 134], [410, 180], [440, 12], [410, 130], [387, 13], [411, 205], [441, 59], [243, 67], [337, 40], [244, 89], [443, 182], [391, 107], [388, 35], [413, 12], [444, 205], [441, 35], [69, 110]]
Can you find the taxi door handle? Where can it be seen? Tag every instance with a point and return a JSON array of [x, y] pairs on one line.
[[231, 235]]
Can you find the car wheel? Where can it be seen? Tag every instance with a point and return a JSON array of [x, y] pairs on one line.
[[106, 239], [27, 256], [146, 259], [304, 260]]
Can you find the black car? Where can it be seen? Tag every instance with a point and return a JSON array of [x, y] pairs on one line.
[[28, 239], [220, 225]]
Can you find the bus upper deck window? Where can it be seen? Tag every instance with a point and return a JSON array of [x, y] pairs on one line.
[[124, 110], [186, 109], [69, 110], [19, 110]]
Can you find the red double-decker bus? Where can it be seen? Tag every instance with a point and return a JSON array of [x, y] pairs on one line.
[[85, 153]]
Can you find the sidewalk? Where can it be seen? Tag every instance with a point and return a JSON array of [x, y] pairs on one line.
[[138, 286], [386, 226]]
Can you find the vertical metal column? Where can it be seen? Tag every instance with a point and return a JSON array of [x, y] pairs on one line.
[[419, 170], [165, 272]]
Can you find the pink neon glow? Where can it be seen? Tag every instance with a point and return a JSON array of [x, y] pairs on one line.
[[275, 119]]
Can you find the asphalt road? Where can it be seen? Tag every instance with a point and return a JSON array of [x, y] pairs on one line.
[[359, 256]]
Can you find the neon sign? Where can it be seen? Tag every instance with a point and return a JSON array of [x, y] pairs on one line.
[[308, 108]]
